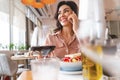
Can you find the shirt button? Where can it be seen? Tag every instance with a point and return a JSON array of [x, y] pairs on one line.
[[67, 50]]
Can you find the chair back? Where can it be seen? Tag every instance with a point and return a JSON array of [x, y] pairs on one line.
[[7, 66]]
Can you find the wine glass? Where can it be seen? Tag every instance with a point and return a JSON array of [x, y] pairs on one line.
[[90, 33], [96, 43]]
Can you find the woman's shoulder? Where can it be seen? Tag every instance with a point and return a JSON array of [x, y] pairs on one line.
[[52, 38]]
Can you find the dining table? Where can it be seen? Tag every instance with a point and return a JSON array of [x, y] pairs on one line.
[[27, 75], [22, 58]]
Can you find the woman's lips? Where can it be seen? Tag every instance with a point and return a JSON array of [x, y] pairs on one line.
[[64, 20]]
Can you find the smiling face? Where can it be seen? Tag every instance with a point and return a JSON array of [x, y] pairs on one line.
[[63, 13]]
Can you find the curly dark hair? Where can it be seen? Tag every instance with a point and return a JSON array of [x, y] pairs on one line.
[[72, 5]]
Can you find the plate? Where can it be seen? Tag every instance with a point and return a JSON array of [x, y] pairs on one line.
[[71, 72]]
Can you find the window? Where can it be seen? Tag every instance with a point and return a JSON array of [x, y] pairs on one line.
[[4, 30], [12, 24], [19, 27], [17, 23]]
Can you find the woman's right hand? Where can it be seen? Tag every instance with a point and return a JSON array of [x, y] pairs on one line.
[[73, 18]]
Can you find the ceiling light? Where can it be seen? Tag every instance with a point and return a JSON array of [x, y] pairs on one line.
[[27, 2], [48, 1], [38, 3]]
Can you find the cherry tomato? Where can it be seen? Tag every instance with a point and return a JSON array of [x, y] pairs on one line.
[[66, 59]]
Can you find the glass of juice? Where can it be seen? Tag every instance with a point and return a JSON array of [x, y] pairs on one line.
[[91, 69], [91, 28]]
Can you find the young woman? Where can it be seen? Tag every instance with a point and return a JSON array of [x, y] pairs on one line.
[[64, 37]]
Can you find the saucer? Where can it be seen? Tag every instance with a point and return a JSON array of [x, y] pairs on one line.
[[71, 72]]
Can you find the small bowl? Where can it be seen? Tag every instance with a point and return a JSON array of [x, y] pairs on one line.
[[71, 66]]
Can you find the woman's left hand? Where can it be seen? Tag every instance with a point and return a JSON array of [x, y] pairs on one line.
[[73, 18]]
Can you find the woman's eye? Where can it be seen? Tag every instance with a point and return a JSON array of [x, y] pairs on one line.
[[66, 11], [59, 13]]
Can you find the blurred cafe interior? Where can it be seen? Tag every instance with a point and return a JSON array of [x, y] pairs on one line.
[[18, 22]]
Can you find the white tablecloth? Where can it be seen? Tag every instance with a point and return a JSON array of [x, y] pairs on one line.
[[70, 76]]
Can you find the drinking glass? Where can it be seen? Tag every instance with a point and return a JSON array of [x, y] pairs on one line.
[[45, 69], [91, 69], [91, 29]]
